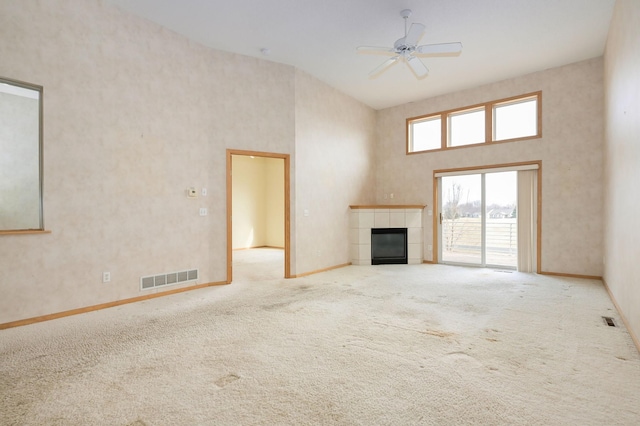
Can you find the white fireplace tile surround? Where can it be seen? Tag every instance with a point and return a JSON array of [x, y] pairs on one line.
[[363, 218]]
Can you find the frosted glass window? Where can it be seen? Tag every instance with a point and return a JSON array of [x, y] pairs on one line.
[[467, 127], [425, 134], [516, 120]]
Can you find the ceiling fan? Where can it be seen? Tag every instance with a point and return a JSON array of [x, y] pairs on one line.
[[406, 49]]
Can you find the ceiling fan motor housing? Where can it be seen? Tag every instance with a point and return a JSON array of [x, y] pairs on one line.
[[402, 48]]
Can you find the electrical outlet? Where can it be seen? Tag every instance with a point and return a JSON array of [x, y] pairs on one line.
[[106, 277]]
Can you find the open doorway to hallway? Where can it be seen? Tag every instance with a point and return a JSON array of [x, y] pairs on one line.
[[258, 264], [257, 215]]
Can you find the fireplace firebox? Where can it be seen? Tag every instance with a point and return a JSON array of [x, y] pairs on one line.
[[388, 246]]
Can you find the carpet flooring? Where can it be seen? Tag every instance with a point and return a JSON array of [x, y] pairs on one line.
[[360, 345]]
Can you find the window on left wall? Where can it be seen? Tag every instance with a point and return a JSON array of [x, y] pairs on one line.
[[20, 157]]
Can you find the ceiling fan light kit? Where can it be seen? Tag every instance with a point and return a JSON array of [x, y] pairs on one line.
[[407, 49]]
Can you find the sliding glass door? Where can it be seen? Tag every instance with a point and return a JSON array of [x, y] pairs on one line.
[[461, 219], [478, 219]]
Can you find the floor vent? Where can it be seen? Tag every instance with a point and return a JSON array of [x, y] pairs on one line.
[[609, 321], [154, 281]]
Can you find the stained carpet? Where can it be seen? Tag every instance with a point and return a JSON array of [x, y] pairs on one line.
[[379, 345]]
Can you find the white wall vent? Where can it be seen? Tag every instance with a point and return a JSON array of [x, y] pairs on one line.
[[154, 281]]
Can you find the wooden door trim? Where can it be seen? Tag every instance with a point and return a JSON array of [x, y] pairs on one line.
[[287, 207]]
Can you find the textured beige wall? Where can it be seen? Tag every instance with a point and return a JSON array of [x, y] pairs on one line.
[[133, 116], [570, 149], [622, 160], [334, 157]]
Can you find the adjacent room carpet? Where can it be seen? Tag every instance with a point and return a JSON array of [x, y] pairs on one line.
[[360, 345]]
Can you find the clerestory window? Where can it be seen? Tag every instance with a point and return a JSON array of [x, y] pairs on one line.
[[504, 120]]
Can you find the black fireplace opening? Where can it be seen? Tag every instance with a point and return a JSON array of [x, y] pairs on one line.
[[388, 246]]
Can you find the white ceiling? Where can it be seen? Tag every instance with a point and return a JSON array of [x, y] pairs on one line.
[[501, 38]]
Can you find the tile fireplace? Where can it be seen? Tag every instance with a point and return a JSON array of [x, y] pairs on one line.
[[364, 219]]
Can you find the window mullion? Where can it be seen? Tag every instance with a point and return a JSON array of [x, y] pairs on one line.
[[488, 122], [444, 132]]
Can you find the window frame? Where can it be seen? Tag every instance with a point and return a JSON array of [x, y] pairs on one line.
[[39, 182], [458, 113], [489, 137], [421, 121]]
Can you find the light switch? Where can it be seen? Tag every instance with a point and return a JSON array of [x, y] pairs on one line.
[[204, 192], [305, 212], [203, 211]]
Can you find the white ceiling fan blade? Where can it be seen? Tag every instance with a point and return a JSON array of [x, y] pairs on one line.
[[440, 48], [383, 67], [418, 67], [414, 35], [376, 50]]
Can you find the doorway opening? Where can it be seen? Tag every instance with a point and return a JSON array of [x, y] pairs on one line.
[[258, 215]]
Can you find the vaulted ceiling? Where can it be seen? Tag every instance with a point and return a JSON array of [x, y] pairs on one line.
[[501, 38]]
